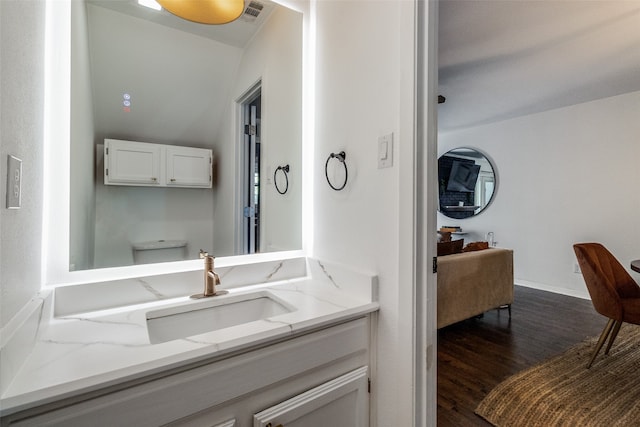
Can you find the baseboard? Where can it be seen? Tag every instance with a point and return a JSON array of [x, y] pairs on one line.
[[555, 289]]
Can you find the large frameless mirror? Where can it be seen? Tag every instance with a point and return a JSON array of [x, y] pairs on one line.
[[466, 183], [144, 75]]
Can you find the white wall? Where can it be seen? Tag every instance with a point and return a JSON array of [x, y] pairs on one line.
[[21, 134], [178, 81], [82, 204], [364, 55], [282, 130], [275, 57], [564, 176], [127, 215]]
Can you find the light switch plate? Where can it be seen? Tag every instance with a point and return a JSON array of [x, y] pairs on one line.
[[14, 182], [385, 151]]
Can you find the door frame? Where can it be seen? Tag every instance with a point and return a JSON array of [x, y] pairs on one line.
[[425, 201], [247, 96]]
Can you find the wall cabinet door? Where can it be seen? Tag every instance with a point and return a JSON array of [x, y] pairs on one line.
[[188, 167], [342, 402], [132, 163]]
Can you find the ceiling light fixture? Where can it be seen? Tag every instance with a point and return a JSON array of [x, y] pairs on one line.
[[205, 11], [151, 4]]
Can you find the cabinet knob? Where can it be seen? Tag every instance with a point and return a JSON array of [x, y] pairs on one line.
[[154, 179], [173, 180], [271, 425]]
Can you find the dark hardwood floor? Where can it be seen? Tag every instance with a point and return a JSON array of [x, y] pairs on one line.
[[477, 354]]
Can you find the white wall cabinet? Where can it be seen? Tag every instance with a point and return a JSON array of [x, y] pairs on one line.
[[156, 165], [315, 377]]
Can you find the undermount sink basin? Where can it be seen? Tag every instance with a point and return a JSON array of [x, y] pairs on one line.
[[211, 314]]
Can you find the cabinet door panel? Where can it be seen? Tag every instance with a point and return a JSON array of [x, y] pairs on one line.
[[188, 166], [342, 402], [133, 163]]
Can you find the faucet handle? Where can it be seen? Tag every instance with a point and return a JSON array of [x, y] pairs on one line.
[[211, 278]]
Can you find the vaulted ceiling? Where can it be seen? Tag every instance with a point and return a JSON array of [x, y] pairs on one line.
[[503, 59], [237, 33]]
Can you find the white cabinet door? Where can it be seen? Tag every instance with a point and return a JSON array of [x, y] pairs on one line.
[[342, 402], [132, 163], [188, 167]]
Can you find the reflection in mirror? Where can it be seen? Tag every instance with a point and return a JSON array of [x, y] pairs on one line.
[[147, 76], [466, 181]]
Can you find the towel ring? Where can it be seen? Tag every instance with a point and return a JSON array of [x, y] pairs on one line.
[[285, 171], [340, 156]]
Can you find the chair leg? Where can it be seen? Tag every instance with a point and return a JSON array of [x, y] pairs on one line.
[[614, 334], [603, 337]]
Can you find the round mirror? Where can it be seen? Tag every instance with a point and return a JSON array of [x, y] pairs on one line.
[[466, 183]]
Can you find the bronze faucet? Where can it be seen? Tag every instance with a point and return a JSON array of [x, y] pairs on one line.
[[211, 278]]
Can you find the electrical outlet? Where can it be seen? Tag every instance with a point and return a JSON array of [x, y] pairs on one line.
[[576, 268], [14, 182]]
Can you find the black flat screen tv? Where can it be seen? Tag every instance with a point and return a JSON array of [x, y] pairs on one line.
[[463, 177]]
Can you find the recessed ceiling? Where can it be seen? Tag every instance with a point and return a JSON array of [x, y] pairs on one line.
[[504, 59]]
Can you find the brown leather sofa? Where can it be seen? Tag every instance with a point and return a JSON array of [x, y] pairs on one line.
[[471, 283]]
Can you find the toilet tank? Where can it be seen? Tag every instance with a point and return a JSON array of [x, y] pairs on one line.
[[159, 251]]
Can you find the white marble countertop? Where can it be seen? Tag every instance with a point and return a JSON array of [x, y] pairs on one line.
[[82, 352]]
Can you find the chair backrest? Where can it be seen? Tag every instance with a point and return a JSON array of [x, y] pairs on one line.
[[606, 279]]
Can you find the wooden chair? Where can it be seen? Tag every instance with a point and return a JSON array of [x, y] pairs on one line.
[[613, 291]]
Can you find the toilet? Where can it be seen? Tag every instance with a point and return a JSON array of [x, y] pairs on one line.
[[159, 251]]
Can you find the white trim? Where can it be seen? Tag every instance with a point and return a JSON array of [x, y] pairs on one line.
[[308, 124], [57, 111], [425, 199]]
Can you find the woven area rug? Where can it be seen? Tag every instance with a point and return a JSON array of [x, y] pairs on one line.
[[562, 392]]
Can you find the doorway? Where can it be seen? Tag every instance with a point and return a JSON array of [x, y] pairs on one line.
[[249, 171]]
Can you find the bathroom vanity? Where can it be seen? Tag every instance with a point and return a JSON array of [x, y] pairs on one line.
[[284, 350]]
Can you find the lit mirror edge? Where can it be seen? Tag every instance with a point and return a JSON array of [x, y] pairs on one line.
[[56, 167], [495, 178], [146, 270]]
